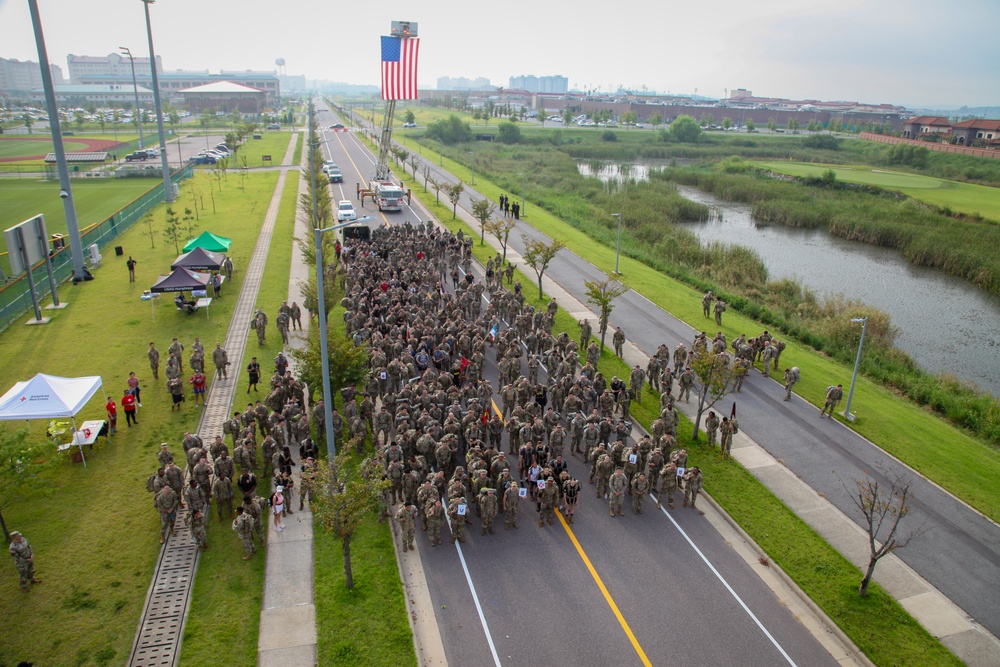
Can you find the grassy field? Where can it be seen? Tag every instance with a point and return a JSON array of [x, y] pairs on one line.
[[95, 199], [94, 529], [880, 627], [962, 197], [14, 148], [224, 581]]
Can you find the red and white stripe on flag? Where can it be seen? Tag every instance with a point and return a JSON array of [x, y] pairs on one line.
[[399, 77]]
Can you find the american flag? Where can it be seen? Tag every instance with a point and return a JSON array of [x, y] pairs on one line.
[[399, 68]]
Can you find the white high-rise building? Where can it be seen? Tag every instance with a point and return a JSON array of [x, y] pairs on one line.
[[555, 84], [18, 78], [84, 68]]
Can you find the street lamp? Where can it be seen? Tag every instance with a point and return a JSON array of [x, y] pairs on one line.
[[857, 362], [168, 191], [135, 88], [618, 247]]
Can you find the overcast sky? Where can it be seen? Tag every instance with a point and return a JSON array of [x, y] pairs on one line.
[[911, 52]]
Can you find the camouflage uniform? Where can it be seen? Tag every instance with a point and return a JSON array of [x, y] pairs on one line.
[[243, 525], [617, 485], [406, 517], [511, 500]]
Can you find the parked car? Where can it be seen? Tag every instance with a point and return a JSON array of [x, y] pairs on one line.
[[335, 175], [152, 152], [409, 124], [328, 165], [137, 155], [345, 211], [337, 126], [202, 159], [274, 126]]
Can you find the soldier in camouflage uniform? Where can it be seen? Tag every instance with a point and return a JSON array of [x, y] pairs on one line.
[[167, 505], [511, 501], [618, 340], [668, 484], [198, 530], [406, 517], [222, 490], [692, 486], [640, 487], [24, 560], [711, 427], [243, 525], [434, 518], [458, 517], [616, 488], [488, 507], [547, 499]]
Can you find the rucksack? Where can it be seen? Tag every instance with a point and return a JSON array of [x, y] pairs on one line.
[[151, 483], [795, 373], [734, 426]]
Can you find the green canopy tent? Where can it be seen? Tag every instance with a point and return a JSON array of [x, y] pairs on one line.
[[210, 242]]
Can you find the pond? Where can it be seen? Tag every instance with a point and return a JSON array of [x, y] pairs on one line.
[[945, 324]]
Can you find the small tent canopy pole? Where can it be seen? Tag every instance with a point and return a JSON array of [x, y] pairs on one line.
[[80, 447]]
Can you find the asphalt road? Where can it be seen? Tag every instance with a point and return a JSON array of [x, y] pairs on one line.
[[959, 550], [530, 596]]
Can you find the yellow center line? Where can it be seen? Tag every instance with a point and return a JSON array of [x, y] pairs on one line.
[[604, 590]]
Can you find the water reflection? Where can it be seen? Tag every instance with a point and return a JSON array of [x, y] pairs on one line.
[[945, 324]]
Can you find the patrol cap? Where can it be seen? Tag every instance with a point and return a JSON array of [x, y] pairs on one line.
[[15, 533]]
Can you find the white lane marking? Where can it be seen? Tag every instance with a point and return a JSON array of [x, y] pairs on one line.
[[475, 598], [726, 584]]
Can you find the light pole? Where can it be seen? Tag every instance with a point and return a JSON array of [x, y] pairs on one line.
[[857, 362], [521, 210], [135, 87], [618, 247], [66, 190], [168, 190]]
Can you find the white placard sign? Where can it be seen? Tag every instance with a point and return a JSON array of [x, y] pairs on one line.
[[523, 493], [680, 472], [462, 509]]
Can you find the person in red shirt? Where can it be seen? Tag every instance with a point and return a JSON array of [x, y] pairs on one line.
[[198, 381], [128, 405], [112, 409]]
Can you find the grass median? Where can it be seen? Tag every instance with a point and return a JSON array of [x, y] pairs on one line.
[[94, 530], [224, 581], [877, 624]]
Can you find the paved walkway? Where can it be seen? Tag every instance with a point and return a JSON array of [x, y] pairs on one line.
[[161, 628], [288, 612]]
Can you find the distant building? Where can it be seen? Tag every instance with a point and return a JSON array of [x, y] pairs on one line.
[[172, 83], [82, 68], [976, 130], [557, 85], [19, 78], [224, 96], [462, 83], [914, 128], [110, 94]]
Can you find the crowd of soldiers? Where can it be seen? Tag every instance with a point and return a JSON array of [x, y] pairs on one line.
[[431, 411], [260, 438]]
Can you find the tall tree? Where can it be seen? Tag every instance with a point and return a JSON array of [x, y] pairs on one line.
[[348, 362], [772, 124], [629, 118], [348, 493], [409, 116], [751, 126], [501, 229], [601, 295], [567, 116], [538, 255], [28, 121], [482, 210], [793, 125], [884, 499], [727, 122], [716, 377], [655, 120]]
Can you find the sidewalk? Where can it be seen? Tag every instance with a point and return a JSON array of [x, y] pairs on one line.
[[288, 611], [941, 617]]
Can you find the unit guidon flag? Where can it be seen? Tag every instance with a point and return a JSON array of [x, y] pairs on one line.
[[399, 68]]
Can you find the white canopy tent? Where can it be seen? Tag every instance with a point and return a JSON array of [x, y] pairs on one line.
[[49, 397]]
